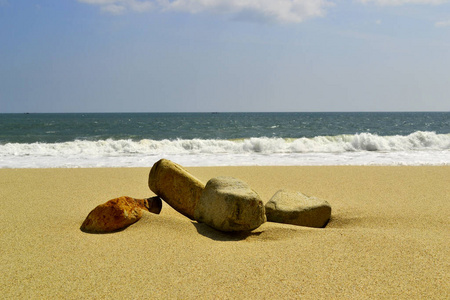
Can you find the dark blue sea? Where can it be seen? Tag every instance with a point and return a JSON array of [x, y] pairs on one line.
[[215, 139]]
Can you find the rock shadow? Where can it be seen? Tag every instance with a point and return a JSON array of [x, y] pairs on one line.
[[104, 232], [266, 233], [217, 235]]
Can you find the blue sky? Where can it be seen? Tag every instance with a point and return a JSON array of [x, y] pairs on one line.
[[217, 55]]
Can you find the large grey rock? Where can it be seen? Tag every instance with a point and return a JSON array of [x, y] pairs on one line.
[[228, 204], [176, 186], [295, 208]]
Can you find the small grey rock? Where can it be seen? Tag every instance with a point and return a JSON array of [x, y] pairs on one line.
[[228, 204], [295, 208]]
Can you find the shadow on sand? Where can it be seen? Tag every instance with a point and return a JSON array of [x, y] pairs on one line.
[[216, 235]]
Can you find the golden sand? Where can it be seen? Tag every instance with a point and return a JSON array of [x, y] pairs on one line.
[[389, 237]]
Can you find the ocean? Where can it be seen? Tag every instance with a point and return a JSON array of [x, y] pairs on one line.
[[224, 139]]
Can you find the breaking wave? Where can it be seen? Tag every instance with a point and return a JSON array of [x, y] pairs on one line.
[[417, 141]]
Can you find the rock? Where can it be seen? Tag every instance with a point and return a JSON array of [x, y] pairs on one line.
[[228, 204], [153, 204], [176, 186], [119, 213], [291, 207]]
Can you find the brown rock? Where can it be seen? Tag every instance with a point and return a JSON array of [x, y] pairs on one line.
[[295, 208], [176, 186], [119, 213]]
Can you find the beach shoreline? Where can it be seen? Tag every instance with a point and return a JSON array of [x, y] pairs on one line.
[[387, 237]]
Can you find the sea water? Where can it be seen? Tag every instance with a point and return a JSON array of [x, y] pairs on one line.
[[223, 139]]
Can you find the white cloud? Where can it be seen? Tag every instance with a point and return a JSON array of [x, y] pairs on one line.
[[282, 11], [117, 7], [141, 6], [403, 2], [442, 24], [113, 9]]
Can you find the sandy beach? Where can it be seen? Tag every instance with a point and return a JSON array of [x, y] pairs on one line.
[[389, 238]]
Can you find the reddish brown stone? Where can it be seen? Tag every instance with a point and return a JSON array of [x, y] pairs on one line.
[[119, 213]]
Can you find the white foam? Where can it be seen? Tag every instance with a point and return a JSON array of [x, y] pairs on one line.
[[418, 148]]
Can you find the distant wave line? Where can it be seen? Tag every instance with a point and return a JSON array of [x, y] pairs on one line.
[[417, 141]]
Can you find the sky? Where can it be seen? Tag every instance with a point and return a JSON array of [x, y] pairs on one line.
[[218, 55]]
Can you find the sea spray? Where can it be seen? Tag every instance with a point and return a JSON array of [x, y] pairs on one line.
[[266, 150]]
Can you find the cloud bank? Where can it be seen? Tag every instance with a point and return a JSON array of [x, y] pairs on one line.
[[121, 6], [280, 11], [271, 11], [443, 23], [403, 2]]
